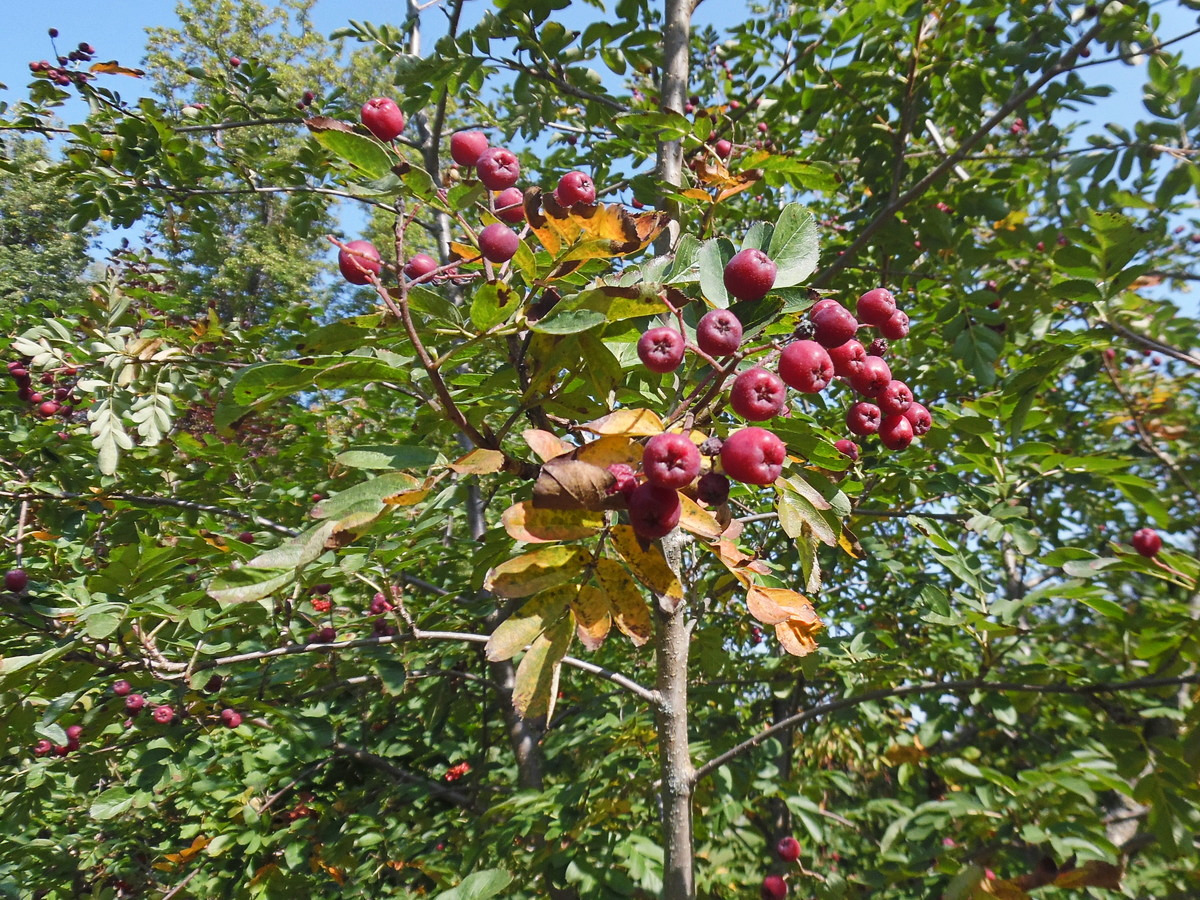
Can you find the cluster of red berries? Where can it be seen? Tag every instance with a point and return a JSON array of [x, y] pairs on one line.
[[457, 771], [61, 74], [53, 399], [774, 887], [377, 610]]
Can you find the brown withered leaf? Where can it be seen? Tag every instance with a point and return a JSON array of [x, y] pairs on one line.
[[796, 637], [593, 618], [570, 484], [616, 230], [112, 67], [325, 123], [713, 173], [1093, 873]]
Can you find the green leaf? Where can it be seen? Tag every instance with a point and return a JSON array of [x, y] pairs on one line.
[[570, 321], [794, 246], [523, 627], [110, 804], [366, 154], [389, 457], [713, 256], [478, 886]]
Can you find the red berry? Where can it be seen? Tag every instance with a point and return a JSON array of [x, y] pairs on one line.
[[510, 206], [322, 604], [750, 274], [873, 377], [670, 460], [637, 204], [134, 702], [498, 168], [788, 849], [863, 419], [723, 148], [833, 326], [774, 888], [163, 714], [895, 398], [806, 366], [876, 307], [753, 456], [324, 635], [467, 146], [822, 304], [896, 432], [661, 349], [878, 347], [382, 117], [498, 243], [920, 419], [575, 187], [758, 395], [246, 537], [653, 510], [712, 488], [848, 358], [379, 605], [762, 127], [1147, 542], [48, 408], [719, 333], [42, 747], [16, 580], [896, 327], [847, 448], [419, 265], [235, 61], [358, 261], [626, 479], [231, 718], [121, 688]]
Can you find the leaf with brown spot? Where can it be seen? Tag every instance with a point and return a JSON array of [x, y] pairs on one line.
[[536, 571], [545, 444], [464, 251], [618, 303], [610, 450], [592, 617], [525, 522], [570, 484], [796, 637], [696, 520], [609, 229], [629, 610], [648, 564], [536, 688], [524, 626], [629, 422], [479, 462]]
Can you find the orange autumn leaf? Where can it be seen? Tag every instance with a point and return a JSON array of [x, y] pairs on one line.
[[598, 231], [796, 637]]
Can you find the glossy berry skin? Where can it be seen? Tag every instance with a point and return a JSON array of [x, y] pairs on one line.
[[42, 747], [896, 327], [358, 261], [833, 326], [48, 408], [382, 117], [753, 456], [467, 146], [758, 395], [324, 635], [670, 460], [719, 333], [498, 243], [895, 399], [626, 479], [847, 448], [134, 702], [16, 580], [575, 187], [788, 849], [806, 366], [822, 304], [246, 537], [919, 417], [661, 349], [498, 168], [712, 488], [122, 688], [724, 148], [1147, 542], [231, 718], [773, 888], [419, 265], [876, 307], [863, 419], [895, 432], [653, 510], [163, 714], [510, 206], [872, 378], [848, 358], [750, 274]]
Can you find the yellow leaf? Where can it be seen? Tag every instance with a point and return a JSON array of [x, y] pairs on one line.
[[479, 462], [114, 68], [186, 854], [607, 451], [544, 444], [592, 617], [536, 687], [543, 568], [630, 422], [796, 637], [696, 520], [1012, 221], [525, 522], [906, 753], [612, 226], [629, 609], [849, 543], [43, 535], [464, 251], [524, 626], [648, 564]]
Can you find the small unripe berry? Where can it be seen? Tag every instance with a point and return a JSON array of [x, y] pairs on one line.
[[712, 488]]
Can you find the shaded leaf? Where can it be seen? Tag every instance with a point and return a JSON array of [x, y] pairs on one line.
[[648, 564], [536, 687], [630, 612], [571, 484], [520, 629], [629, 422], [536, 571], [592, 617]]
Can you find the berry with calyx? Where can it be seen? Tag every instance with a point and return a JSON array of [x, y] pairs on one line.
[[134, 702], [847, 448], [895, 328], [661, 349], [510, 206], [121, 688], [711, 446], [626, 479], [920, 419], [231, 718], [42, 747], [872, 378], [358, 261], [723, 148], [806, 366], [878, 347], [895, 398], [750, 274], [758, 395], [653, 510], [876, 307], [670, 460], [833, 326], [419, 265], [16, 580], [382, 117], [498, 243], [753, 456], [719, 333], [896, 432], [848, 358], [1147, 542], [773, 888], [467, 146], [575, 187], [498, 168], [788, 849], [163, 714], [863, 419], [712, 488]]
